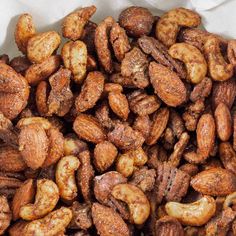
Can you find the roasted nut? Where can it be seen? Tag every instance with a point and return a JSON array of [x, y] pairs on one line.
[[52, 224], [102, 43], [104, 155], [89, 129], [167, 85], [74, 55], [194, 61], [42, 45], [143, 125], [112, 87], [24, 31], [190, 169], [219, 69], [17, 228], [229, 200], [127, 162], [169, 24], [14, 89], [43, 122], [73, 24], [176, 123], [20, 64], [46, 199], [91, 91], [5, 214], [214, 182], [108, 222], [137, 21], [65, 177], [41, 96], [231, 52], [136, 200], [4, 58], [195, 214]]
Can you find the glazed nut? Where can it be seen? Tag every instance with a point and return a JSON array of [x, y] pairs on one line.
[[65, 177], [5, 214], [52, 224], [193, 59], [46, 198], [127, 162], [24, 31], [195, 214], [73, 24], [169, 24], [231, 52], [136, 200], [42, 45], [219, 69], [74, 55], [43, 122], [229, 200]]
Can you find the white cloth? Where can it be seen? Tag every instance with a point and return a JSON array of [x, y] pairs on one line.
[[219, 16]]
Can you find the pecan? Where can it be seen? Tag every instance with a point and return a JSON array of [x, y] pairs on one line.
[[190, 169], [5, 214], [20, 64], [143, 125], [176, 123]]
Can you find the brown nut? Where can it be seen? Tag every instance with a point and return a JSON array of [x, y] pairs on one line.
[[143, 125], [169, 24], [43, 122], [102, 43], [65, 177], [17, 228], [231, 52], [73, 24], [193, 59], [33, 145], [42, 45], [20, 64], [24, 31], [136, 200], [214, 182], [46, 199], [104, 155], [4, 58], [167, 85], [41, 98], [38, 72], [74, 55], [91, 91], [108, 222], [137, 21], [52, 224], [5, 214], [219, 69], [195, 214]]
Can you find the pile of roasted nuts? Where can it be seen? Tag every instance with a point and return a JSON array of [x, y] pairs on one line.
[[130, 130]]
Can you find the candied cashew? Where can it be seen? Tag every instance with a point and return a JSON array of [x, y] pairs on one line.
[[65, 177], [136, 200], [219, 69], [24, 31], [169, 24], [52, 224], [73, 24], [195, 214], [46, 198], [74, 55], [195, 62]]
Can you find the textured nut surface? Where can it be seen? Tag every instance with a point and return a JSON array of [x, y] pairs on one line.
[[43, 122], [5, 214], [167, 85], [231, 52], [20, 64], [46, 198], [42, 45]]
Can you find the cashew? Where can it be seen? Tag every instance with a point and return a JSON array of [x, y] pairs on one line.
[[194, 214], [168, 26], [52, 224], [46, 199], [229, 200], [219, 69], [65, 177], [127, 162], [194, 61], [136, 200], [34, 120]]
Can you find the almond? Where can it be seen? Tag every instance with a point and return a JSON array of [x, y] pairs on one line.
[[89, 129], [214, 182]]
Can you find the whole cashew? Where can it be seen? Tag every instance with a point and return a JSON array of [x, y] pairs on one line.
[[194, 61], [52, 224], [230, 200], [168, 26], [46, 199], [219, 69], [194, 214], [65, 177], [136, 200]]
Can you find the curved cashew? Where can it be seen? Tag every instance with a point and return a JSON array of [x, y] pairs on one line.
[[65, 177], [46, 199], [34, 120], [136, 200], [230, 200], [219, 69], [194, 214], [194, 61], [127, 162], [52, 224], [168, 26]]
